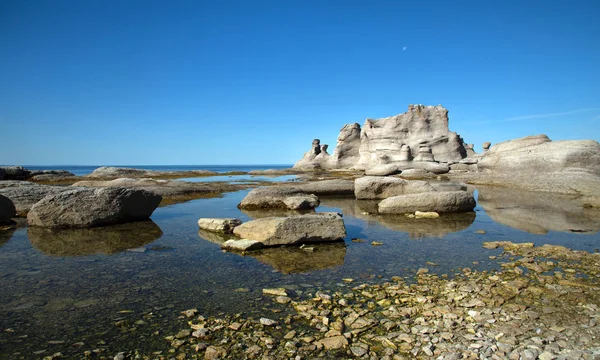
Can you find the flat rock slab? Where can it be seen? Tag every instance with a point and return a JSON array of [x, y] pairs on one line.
[[328, 187], [440, 202], [221, 225], [242, 245], [279, 197], [83, 208], [293, 230], [378, 187]]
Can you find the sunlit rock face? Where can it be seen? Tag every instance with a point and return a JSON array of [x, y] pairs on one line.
[[420, 135], [538, 213], [101, 240]]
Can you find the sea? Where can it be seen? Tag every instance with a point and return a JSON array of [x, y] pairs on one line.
[[123, 288]]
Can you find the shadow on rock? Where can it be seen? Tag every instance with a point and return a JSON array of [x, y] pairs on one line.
[[293, 260], [102, 240], [538, 212]]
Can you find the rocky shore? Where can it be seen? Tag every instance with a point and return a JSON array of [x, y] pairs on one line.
[[544, 304]]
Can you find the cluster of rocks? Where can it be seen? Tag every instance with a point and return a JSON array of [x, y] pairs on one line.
[[419, 144], [21, 173], [543, 305]]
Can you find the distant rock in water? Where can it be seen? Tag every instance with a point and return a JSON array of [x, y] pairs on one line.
[[82, 208], [112, 172], [409, 140]]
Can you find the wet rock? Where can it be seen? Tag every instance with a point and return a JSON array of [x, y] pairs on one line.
[[7, 210], [322, 227], [334, 342], [426, 215], [440, 202], [275, 292], [267, 322], [222, 225], [81, 208]]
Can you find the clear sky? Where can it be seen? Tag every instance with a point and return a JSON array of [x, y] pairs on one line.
[[253, 82]]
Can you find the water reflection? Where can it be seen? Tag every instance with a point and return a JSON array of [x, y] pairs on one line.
[[538, 213], [103, 240], [292, 260], [416, 228], [6, 235], [214, 237]]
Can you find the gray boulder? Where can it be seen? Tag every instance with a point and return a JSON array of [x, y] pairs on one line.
[[440, 202], [293, 230], [24, 194], [327, 187], [278, 197], [382, 170], [377, 187], [7, 210], [83, 208], [221, 225]]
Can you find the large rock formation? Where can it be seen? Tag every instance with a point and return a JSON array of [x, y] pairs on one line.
[[83, 208], [408, 140], [536, 163], [24, 194]]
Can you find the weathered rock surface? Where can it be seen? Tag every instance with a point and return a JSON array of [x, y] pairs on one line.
[[538, 213], [24, 194], [82, 208], [327, 187], [417, 174], [278, 197], [242, 245], [377, 187], [313, 159], [222, 225], [101, 240], [536, 163], [382, 170], [322, 227], [419, 136], [440, 202], [111, 172], [7, 210]]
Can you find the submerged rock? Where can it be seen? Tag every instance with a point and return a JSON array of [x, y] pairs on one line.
[[81, 208], [242, 245], [278, 197], [222, 225], [293, 260], [440, 202], [321, 227], [377, 187]]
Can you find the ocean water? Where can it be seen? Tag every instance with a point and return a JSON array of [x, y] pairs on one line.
[[81, 170], [122, 288]]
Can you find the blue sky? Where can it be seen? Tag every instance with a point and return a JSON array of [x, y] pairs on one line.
[[253, 82]]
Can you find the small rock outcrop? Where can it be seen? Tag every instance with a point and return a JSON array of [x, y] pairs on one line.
[[327, 187], [221, 225], [377, 187], [486, 146], [419, 136], [113, 172], [294, 230], [440, 202], [84, 208], [274, 197], [7, 210]]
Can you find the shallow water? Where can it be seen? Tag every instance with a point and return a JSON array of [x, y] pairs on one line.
[[92, 286]]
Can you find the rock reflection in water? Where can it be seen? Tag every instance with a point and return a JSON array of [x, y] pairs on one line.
[[292, 260], [215, 237], [6, 234], [416, 228], [537, 212], [103, 240]]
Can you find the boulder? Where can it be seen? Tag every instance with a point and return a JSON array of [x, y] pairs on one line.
[[440, 202], [242, 245], [293, 230], [24, 194], [275, 197], [7, 210], [327, 187], [15, 173], [221, 225], [83, 208], [538, 164], [377, 187], [382, 170]]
